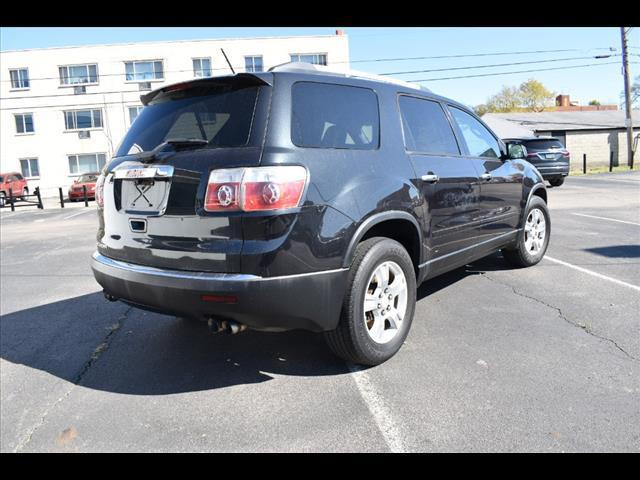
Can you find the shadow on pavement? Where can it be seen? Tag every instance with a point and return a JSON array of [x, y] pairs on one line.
[[108, 346], [492, 263], [616, 251]]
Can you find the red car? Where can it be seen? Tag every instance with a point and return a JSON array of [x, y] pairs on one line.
[[14, 181], [88, 180]]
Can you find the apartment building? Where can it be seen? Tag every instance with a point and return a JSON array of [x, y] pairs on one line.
[[63, 111]]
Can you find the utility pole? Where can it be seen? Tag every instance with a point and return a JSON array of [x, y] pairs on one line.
[[627, 98]]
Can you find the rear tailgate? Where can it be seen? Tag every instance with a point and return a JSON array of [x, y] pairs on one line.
[[153, 212]]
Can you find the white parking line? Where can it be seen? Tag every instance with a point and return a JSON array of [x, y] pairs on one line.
[[606, 218], [380, 412], [76, 214], [595, 274]]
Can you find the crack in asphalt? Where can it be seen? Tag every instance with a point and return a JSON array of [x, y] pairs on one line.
[[95, 355], [584, 328]]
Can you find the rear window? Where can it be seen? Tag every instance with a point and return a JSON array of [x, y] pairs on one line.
[[426, 129], [334, 116], [542, 144], [222, 116]]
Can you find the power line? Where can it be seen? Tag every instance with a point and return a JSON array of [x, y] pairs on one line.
[[510, 73], [373, 60], [388, 73], [413, 81], [496, 65]]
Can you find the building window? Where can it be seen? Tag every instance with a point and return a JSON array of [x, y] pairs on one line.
[[29, 167], [314, 58], [82, 119], [134, 112], [253, 63], [19, 78], [78, 74], [144, 70], [201, 67], [86, 163], [24, 123]]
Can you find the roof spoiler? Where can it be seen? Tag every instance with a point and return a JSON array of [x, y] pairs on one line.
[[241, 79]]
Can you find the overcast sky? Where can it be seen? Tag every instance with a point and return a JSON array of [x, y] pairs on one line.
[[602, 82]]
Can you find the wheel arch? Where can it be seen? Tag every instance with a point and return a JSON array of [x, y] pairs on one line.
[[397, 225]]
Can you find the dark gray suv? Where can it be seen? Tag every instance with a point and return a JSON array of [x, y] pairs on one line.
[[548, 155], [304, 198]]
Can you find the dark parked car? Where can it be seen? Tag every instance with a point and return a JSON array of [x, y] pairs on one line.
[[548, 155], [301, 198], [14, 183], [86, 180]]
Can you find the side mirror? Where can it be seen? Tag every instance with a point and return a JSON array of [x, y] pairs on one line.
[[516, 151]]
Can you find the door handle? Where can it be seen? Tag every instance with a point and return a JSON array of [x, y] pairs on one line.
[[486, 177], [430, 178]]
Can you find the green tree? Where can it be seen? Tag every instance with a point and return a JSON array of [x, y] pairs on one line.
[[594, 102], [529, 96], [506, 100], [534, 95]]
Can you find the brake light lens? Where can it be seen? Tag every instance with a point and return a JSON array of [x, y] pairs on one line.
[[565, 153], [255, 189], [100, 191]]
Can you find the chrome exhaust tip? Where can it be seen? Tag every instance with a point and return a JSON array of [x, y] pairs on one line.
[[109, 297], [230, 327]]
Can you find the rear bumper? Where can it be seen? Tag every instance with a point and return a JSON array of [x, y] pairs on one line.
[[310, 301], [553, 171]]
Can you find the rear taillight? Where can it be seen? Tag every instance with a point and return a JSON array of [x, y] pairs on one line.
[[255, 189], [100, 191], [565, 153], [531, 155]]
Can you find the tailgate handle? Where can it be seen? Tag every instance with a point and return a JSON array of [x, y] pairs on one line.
[[136, 172]]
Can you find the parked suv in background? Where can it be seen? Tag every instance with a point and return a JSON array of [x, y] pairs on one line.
[[14, 181], [301, 198], [548, 155]]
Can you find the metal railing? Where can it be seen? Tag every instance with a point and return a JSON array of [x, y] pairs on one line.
[[10, 201]]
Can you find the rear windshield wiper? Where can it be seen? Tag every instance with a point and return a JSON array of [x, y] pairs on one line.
[[183, 143], [176, 143]]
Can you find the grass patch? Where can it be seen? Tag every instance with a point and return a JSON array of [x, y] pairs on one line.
[[602, 169]]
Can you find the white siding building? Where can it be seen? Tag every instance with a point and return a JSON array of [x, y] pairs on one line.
[[65, 110]]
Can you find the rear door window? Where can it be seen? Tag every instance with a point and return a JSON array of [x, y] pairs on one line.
[[426, 128], [334, 116], [480, 142]]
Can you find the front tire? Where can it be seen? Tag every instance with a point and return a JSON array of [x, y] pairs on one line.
[[3, 199], [379, 304], [533, 240], [25, 192]]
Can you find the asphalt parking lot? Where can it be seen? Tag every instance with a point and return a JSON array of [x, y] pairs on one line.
[[540, 359]]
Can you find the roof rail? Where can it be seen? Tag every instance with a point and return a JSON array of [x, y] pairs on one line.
[[304, 67]]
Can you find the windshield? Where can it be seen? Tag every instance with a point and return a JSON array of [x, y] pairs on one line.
[[88, 178], [542, 144], [1, 179], [222, 117]]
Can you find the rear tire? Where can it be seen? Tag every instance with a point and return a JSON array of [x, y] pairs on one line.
[[556, 182], [370, 333], [533, 239], [25, 192]]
